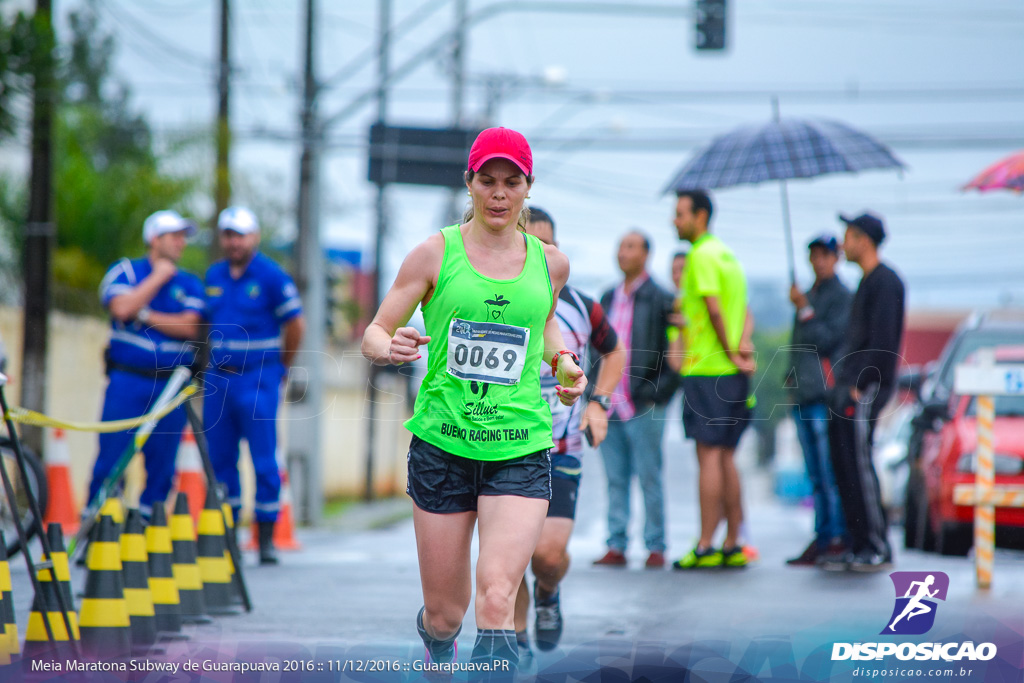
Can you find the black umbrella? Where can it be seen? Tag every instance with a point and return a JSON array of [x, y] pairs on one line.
[[780, 150]]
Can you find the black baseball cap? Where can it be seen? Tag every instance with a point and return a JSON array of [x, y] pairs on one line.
[[826, 241], [869, 224]]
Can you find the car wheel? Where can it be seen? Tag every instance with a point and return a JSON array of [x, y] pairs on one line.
[[918, 533], [955, 539]]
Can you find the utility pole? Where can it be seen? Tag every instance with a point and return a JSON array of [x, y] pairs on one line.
[[383, 48], [222, 172], [40, 229], [459, 62], [305, 443], [458, 67]]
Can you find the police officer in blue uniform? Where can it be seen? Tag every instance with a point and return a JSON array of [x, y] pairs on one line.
[[155, 309], [255, 327]]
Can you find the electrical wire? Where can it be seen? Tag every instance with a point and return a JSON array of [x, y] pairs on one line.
[[150, 38], [366, 58]]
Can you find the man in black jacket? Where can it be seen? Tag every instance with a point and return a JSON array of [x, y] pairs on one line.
[[638, 310], [865, 374], [818, 328]]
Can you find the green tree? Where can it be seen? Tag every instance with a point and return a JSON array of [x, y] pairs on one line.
[[107, 176], [16, 50]]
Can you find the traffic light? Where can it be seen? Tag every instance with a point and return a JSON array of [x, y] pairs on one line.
[[710, 25]]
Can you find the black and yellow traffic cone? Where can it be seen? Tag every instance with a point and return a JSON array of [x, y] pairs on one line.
[[105, 625], [186, 569], [37, 640], [62, 570], [9, 646], [214, 565], [232, 543], [135, 572], [111, 508], [162, 587]]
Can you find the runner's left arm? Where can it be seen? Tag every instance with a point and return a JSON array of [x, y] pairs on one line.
[[571, 380]]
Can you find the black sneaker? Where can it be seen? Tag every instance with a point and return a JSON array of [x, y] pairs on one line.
[[548, 622], [868, 561]]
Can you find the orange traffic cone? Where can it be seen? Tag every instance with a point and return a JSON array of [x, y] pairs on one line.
[[284, 528], [191, 479], [61, 507]]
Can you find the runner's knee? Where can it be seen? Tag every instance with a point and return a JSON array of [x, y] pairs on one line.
[[548, 558], [496, 599]]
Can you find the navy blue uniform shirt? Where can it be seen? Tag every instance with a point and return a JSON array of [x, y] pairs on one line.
[[138, 345], [246, 314]]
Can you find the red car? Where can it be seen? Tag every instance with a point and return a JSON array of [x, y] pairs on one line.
[[947, 459]]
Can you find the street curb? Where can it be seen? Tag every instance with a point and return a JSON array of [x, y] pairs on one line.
[[367, 516]]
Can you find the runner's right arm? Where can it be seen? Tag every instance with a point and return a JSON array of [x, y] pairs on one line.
[[386, 339]]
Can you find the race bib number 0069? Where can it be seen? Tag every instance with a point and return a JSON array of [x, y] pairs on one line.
[[487, 352]]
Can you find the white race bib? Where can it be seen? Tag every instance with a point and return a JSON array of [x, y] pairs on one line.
[[487, 352]]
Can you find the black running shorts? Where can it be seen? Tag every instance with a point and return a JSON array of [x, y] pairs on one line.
[[563, 497], [715, 409], [444, 483]]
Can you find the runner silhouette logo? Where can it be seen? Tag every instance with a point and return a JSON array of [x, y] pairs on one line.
[[916, 595]]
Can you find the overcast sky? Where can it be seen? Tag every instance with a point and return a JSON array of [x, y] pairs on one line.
[[614, 104]]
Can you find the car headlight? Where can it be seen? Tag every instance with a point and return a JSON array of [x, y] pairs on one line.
[[1005, 463]]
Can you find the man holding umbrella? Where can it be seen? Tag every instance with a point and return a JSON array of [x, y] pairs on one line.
[[819, 327], [865, 376]]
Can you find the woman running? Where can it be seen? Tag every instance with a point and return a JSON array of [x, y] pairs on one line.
[[481, 429]]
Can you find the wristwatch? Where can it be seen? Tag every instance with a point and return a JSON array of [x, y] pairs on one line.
[[143, 315], [603, 401]]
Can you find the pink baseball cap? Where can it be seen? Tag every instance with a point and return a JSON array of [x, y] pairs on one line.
[[501, 143]]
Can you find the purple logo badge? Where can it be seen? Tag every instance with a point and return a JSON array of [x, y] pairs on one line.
[[916, 593]]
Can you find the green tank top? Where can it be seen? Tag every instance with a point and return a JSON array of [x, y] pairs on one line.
[[481, 396]]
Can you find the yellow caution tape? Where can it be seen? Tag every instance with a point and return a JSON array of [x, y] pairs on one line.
[[30, 417]]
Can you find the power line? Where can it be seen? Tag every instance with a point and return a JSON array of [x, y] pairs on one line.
[[365, 58], [154, 40]]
